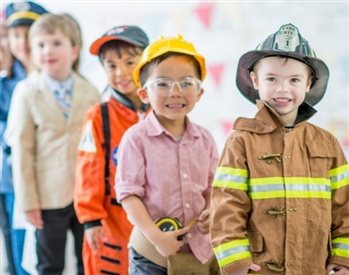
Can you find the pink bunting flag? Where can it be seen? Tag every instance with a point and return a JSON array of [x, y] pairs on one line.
[[215, 71], [227, 126], [204, 12]]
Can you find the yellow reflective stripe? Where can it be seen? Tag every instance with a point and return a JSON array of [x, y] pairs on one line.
[[340, 247], [339, 177], [296, 187], [232, 171], [227, 177], [339, 170], [232, 251], [22, 15]]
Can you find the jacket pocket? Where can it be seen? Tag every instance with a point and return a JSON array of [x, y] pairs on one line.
[[256, 242], [319, 156]]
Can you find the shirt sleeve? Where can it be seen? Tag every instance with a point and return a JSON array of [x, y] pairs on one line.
[[230, 208], [89, 192], [130, 175], [214, 159], [339, 177], [23, 138]]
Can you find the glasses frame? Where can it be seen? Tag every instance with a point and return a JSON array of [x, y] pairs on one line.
[[173, 82]]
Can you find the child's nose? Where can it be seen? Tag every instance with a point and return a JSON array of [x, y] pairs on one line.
[[282, 87], [176, 89]]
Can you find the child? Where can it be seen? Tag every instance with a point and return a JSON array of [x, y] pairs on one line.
[[280, 199], [166, 164], [48, 110], [14, 67], [119, 50], [20, 16]]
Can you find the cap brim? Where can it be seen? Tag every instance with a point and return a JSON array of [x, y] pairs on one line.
[[96, 46], [244, 82], [21, 22]]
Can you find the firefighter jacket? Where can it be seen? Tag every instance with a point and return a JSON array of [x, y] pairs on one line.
[[280, 198], [95, 199]]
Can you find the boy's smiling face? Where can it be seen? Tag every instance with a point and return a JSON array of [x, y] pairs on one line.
[[174, 107], [119, 71], [283, 84], [54, 54]]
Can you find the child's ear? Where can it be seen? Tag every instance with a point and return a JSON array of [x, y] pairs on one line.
[[254, 79], [310, 81], [76, 52], [201, 92], [143, 95]]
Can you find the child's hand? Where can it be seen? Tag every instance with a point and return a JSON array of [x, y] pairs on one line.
[[167, 243], [204, 221], [338, 269], [93, 236], [252, 267], [34, 217]]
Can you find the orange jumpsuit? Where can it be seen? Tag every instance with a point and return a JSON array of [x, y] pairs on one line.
[[95, 199]]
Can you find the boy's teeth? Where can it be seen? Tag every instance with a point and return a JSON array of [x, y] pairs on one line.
[[281, 99]]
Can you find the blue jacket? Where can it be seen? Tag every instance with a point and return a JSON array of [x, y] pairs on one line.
[[7, 87]]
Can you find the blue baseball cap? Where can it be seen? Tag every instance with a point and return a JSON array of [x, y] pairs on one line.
[[23, 13]]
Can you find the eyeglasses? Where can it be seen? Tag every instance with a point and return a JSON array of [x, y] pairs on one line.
[[188, 86]]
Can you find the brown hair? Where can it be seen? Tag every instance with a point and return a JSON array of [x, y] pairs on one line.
[[117, 45], [65, 23], [145, 70]]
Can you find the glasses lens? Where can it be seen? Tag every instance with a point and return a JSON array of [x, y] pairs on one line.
[[163, 87]]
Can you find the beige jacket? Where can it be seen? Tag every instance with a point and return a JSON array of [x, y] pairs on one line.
[[281, 199], [44, 144]]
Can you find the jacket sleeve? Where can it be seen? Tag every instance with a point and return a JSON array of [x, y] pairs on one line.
[[339, 177], [22, 135], [230, 208], [89, 191]]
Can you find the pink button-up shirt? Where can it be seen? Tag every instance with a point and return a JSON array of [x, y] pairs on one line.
[[171, 177]]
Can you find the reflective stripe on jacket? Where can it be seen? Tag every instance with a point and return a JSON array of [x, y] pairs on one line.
[[281, 199]]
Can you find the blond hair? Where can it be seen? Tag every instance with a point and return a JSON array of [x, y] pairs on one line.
[[50, 23]]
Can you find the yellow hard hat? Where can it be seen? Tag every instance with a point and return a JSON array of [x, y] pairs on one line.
[[164, 45]]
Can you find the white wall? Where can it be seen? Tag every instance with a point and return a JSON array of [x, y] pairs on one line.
[[222, 32]]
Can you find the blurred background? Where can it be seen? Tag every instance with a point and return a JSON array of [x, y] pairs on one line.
[[222, 31]]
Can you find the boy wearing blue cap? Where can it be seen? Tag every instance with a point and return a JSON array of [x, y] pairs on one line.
[[280, 199], [19, 17]]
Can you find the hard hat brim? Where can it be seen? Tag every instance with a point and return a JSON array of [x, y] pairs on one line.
[[244, 82]]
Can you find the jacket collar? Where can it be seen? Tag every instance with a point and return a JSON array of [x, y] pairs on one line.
[[125, 101], [267, 119]]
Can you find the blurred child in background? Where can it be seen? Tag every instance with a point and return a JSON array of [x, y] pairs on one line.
[[48, 110], [15, 64]]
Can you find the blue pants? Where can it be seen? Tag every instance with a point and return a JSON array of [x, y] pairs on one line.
[[138, 265], [15, 237]]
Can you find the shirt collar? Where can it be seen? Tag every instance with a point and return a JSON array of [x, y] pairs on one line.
[[156, 129], [55, 85]]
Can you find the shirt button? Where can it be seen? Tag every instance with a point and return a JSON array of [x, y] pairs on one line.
[[187, 205], [189, 235], [185, 175]]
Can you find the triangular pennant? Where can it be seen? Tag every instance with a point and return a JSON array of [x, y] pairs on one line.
[[87, 143], [227, 126], [204, 12], [216, 72]]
